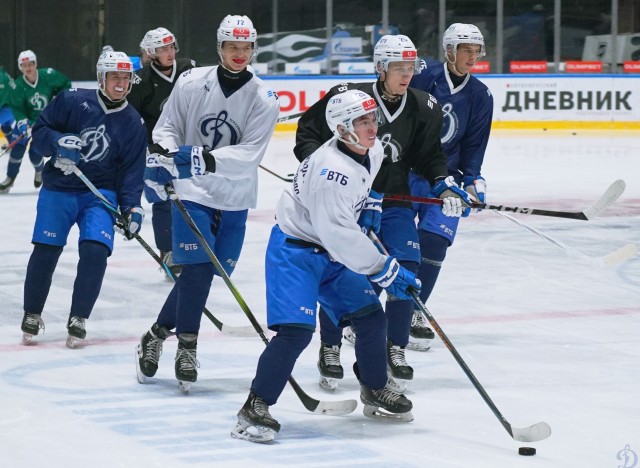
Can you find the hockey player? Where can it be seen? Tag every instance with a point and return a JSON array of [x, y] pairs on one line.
[[467, 106], [97, 131], [225, 116], [319, 252], [31, 94], [6, 114], [151, 88], [411, 140]]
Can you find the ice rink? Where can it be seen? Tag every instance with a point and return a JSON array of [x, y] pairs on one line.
[[552, 336]]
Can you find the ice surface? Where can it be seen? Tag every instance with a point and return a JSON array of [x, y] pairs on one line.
[[551, 337]]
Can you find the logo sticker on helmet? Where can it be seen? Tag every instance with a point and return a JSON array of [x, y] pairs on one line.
[[123, 66], [409, 54], [369, 104], [241, 32], [167, 39]]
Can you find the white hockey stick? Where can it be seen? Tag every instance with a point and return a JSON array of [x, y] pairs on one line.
[[622, 254]]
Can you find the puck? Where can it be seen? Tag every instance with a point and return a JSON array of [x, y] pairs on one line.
[[526, 451]]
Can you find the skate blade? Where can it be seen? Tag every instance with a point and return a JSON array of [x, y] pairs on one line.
[[256, 434], [397, 385], [27, 338], [141, 377], [350, 337], [375, 412], [328, 384], [419, 344], [184, 386], [73, 342]]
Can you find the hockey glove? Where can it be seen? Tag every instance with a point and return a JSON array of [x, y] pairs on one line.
[[68, 155], [476, 188], [133, 222], [189, 161], [371, 214], [397, 280], [21, 129], [456, 201], [155, 178]]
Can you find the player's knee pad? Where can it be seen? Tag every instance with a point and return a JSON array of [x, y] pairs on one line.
[[198, 274], [296, 339], [7, 128], [94, 253], [433, 248], [371, 327], [47, 253]]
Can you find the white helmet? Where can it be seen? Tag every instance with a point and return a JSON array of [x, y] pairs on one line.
[[460, 33], [344, 108], [398, 48], [236, 28], [157, 38], [111, 61], [27, 56]]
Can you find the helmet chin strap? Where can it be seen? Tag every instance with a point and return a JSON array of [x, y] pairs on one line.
[[353, 140]]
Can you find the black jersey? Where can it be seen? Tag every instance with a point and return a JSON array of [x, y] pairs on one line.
[[410, 137], [151, 89]]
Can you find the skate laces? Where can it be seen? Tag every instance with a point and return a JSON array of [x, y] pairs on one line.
[[396, 354], [34, 320], [261, 408], [153, 349], [187, 359], [331, 355], [418, 320], [76, 323], [387, 395]]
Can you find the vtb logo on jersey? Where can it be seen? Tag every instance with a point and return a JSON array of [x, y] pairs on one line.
[[221, 128]]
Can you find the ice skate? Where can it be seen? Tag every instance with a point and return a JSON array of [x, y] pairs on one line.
[[349, 335], [77, 331], [255, 424], [6, 185], [37, 179], [186, 362], [167, 258], [329, 366], [31, 326], [148, 352], [420, 335], [399, 370], [385, 404]]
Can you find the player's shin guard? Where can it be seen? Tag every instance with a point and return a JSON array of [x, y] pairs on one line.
[[277, 360]]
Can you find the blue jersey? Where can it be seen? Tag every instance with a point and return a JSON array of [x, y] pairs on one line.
[[115, 142], [467, 112]]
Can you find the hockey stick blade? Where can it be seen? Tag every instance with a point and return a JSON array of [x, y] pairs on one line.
[[327, 408], [607, 199], [538, 431], [622, 254]]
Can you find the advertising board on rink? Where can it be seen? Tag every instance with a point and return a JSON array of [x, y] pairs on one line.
[[584, 101]]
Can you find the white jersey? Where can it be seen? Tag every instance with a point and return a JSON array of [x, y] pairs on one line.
[[237, 128], [323, 204]]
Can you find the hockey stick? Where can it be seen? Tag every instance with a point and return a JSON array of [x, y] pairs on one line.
[[12, 144], [226, 329], [608, 197], [286, 118], [532, 433], [334, 408], [289, 177], [618, 256]]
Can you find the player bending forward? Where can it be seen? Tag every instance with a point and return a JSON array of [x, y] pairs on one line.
[[318, 253]]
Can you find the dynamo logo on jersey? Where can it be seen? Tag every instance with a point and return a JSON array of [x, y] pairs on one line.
[[450, 123], [95, 143], [38, 101], [222, 130]]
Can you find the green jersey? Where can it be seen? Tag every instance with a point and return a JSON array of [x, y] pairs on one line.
[[30, 99], [6, 85]]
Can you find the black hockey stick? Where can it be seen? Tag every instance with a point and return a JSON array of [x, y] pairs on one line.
[[289, 177], [334, 408], [611, 195], [534, 433], [286, 118], [226, 329]]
